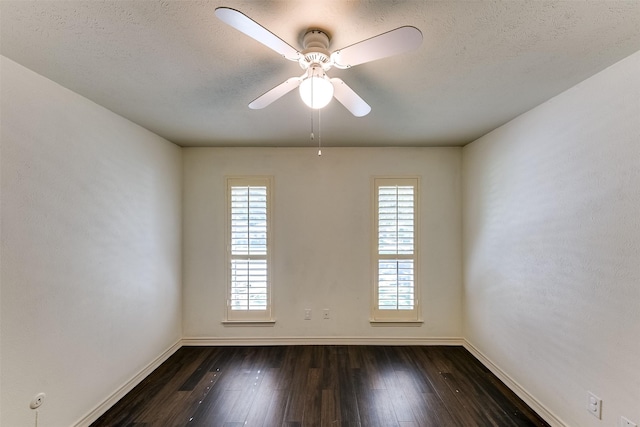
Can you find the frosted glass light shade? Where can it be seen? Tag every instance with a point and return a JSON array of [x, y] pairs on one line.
[[316, 90]]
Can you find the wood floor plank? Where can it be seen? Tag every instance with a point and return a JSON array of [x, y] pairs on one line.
[[180, 415], [355, 357], [383, 409], [428, 409], [394, 385], [366, 406], [312, 412], [167, 398], [289, 360], [302, 386], [217, 404], [346, 394], [329, 405], [429, 363], [262, 399], [277, 408], [206, 362], [330, 377], [374, 374], [295, 404], [248, 387]]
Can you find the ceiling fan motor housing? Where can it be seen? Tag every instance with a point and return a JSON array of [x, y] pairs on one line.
[[316, 50]]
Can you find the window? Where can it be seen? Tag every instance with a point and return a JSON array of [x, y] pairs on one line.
[[249, 229], [395, 249]]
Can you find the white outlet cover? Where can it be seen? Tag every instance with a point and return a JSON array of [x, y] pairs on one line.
[[37, 401], [624, 422]]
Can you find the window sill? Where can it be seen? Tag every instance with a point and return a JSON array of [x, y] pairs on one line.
[[249, 322], [389, 322]]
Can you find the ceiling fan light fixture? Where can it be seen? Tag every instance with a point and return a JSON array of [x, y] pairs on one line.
[[316, 90]]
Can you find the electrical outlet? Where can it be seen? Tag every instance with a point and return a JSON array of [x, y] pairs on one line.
[[307, 314], [37, 401], [595, 406], [325, 313], [624, 422]]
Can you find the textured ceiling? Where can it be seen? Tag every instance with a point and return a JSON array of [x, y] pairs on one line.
[[174, 68]]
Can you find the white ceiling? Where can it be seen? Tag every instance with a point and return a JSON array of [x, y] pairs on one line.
[[174, 68]]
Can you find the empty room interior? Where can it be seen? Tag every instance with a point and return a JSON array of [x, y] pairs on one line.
[[504, 137]]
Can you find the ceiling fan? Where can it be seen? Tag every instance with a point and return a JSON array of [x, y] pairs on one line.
[[316, 88]]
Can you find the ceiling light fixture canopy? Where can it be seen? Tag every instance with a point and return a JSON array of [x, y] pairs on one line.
[[316, 90]]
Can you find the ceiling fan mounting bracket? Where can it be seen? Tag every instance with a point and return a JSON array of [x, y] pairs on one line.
[[316, 39], [316, 50]]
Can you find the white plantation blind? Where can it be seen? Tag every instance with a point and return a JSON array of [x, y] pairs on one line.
[[395, 217], [249, 220], [248, 284], [248, 245]]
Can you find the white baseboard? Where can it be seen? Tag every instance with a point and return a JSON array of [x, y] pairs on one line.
[[260, 341], [96, 412], [540, 409]]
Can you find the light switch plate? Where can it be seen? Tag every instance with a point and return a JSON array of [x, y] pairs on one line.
[[594, 406]]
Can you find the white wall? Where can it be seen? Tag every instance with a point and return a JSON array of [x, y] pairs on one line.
[[91, 234], [552, 247], [322, 225]]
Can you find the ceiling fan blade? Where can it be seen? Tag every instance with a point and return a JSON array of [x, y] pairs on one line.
[[349, 98], [387, 44], [243, 23], [275, 93]]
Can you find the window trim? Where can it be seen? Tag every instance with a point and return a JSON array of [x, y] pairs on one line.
[[395, 317], [249, 317]]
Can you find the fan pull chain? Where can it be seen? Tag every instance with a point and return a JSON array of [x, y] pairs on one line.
[[319, 136], [312, 117], [312, 137]]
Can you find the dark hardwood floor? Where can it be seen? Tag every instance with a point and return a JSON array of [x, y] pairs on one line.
[[295, 386]]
